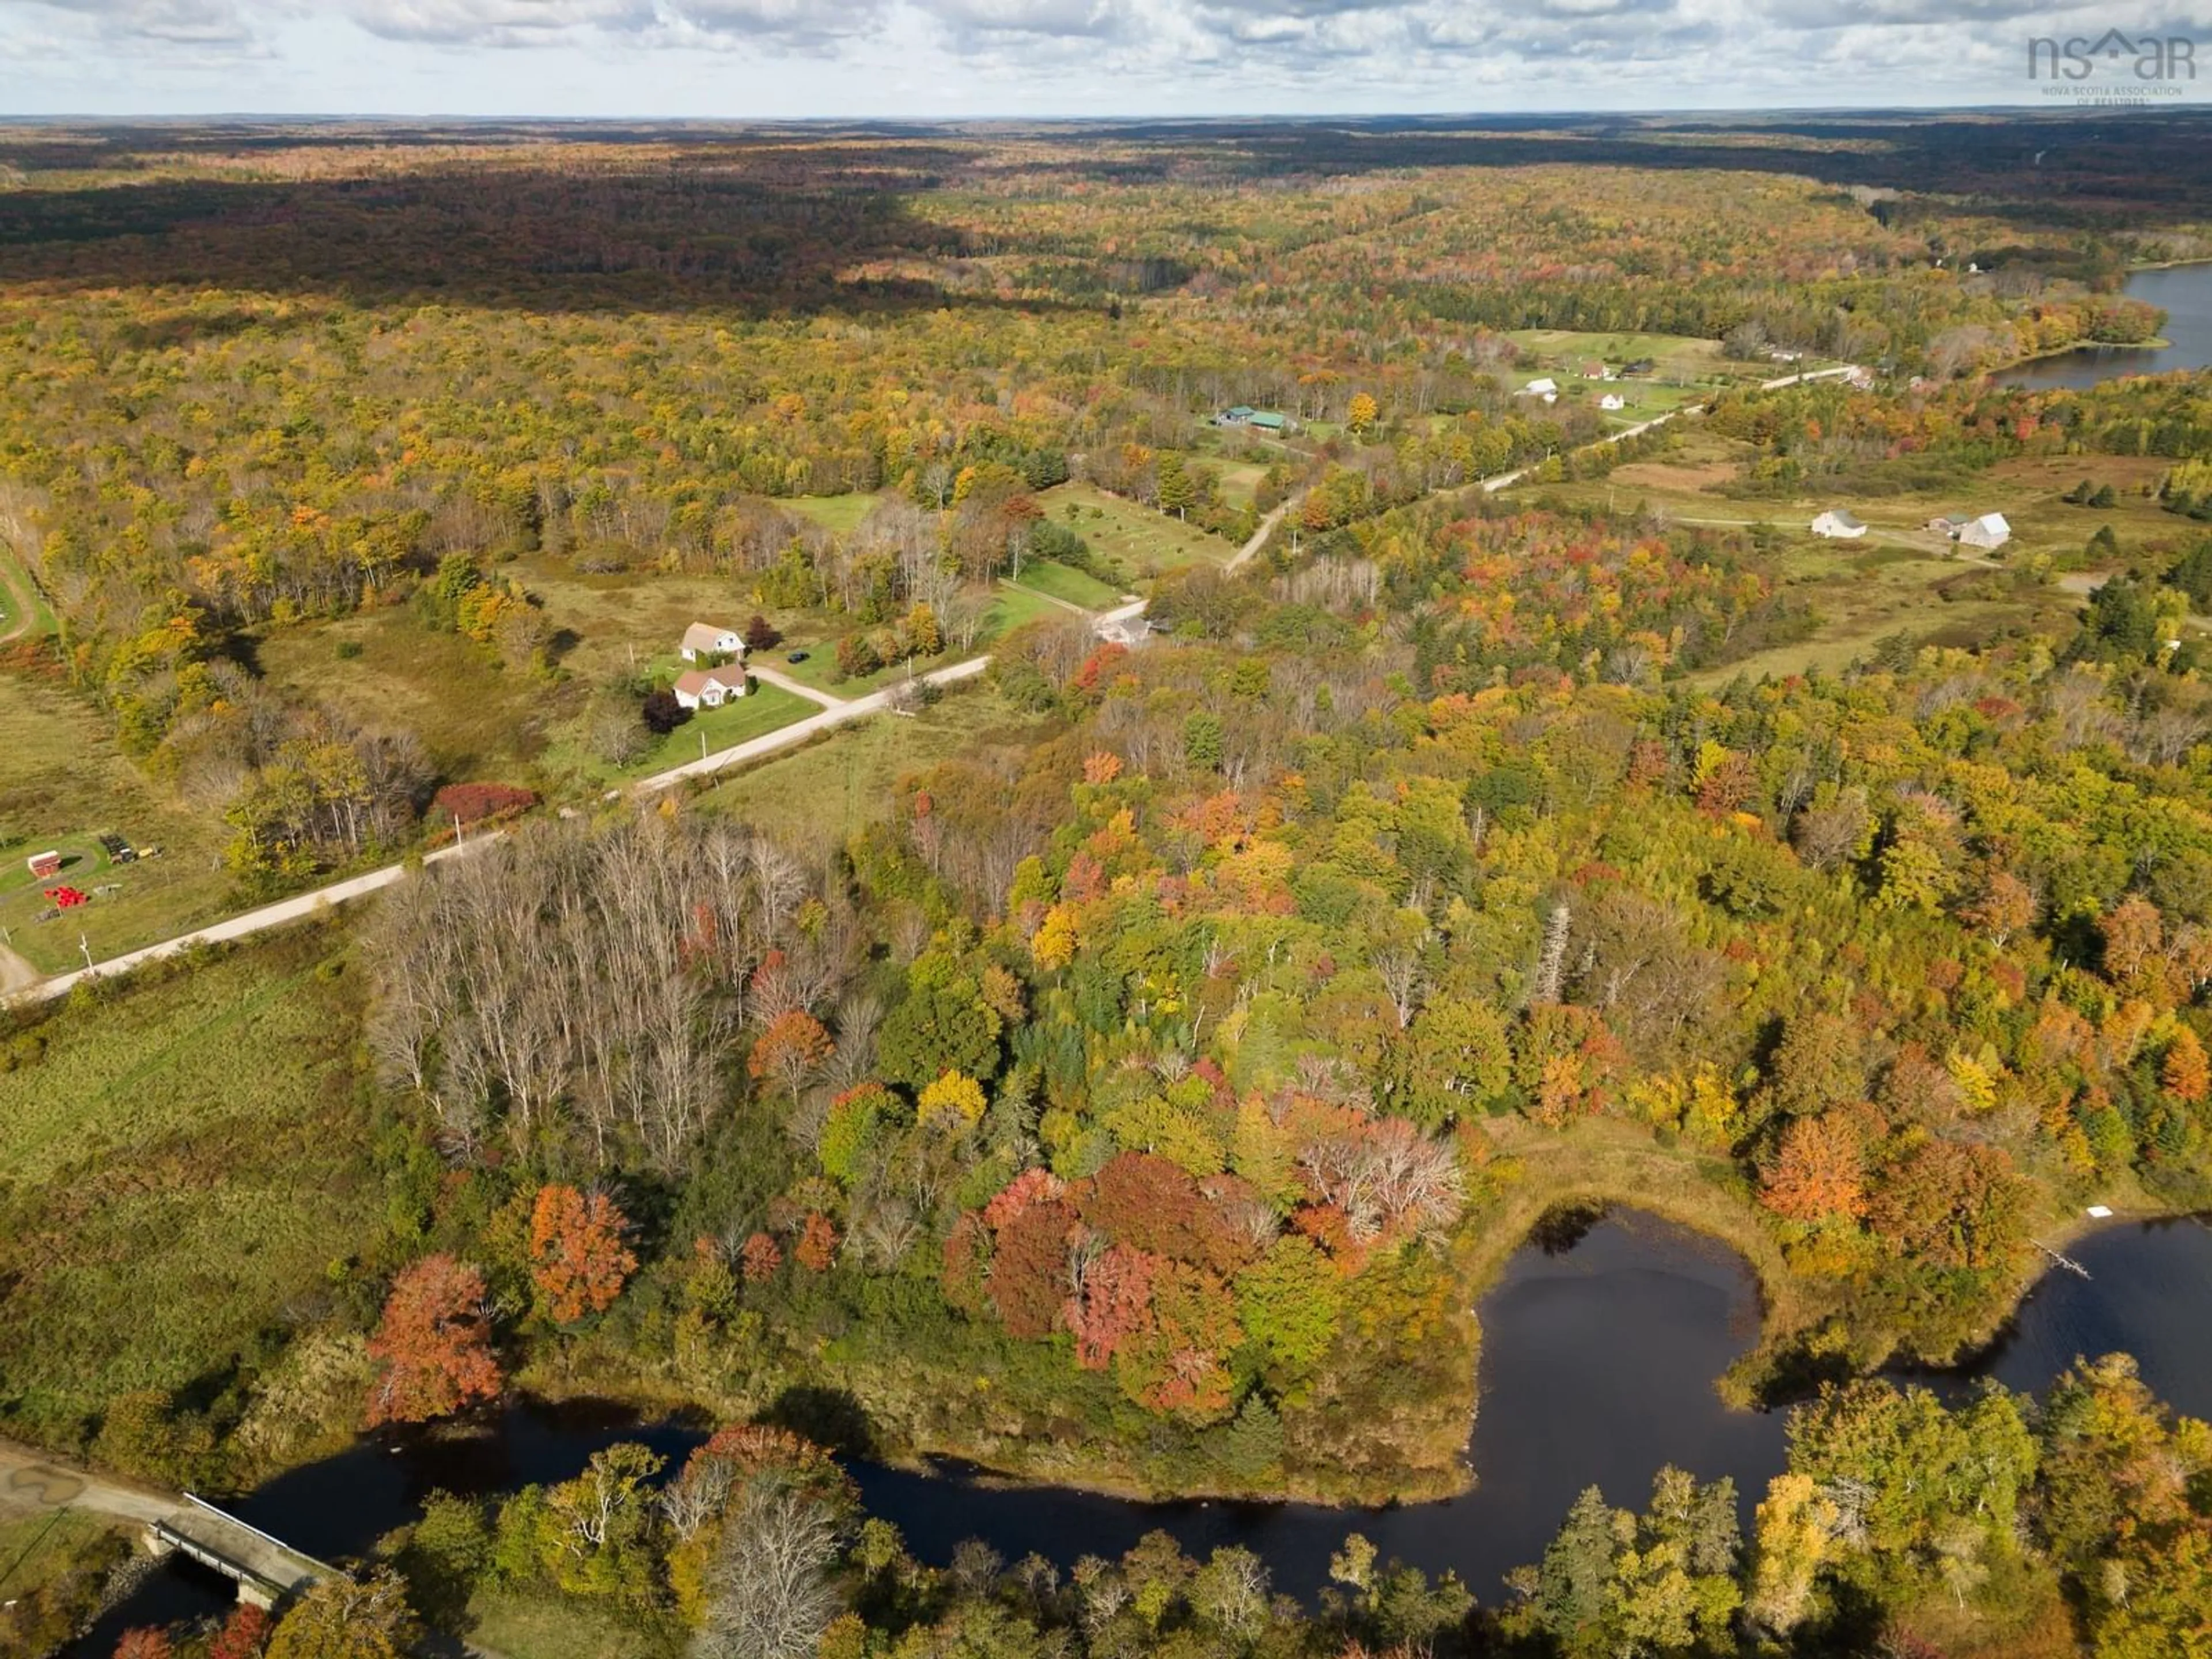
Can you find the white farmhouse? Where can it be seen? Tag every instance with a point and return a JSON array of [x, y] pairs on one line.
[[1839, 524], [703, 640], [710, 688]]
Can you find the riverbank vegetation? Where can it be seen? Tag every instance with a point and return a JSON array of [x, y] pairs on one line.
[[2075, 1522]]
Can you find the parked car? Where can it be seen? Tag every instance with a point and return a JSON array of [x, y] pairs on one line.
[[797, 656]]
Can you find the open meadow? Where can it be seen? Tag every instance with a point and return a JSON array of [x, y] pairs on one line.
[[816, 795], [64, 782], [1132, 540], [186, 1171]]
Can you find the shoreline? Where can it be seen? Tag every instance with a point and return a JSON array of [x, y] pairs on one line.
[[1786, 1306]]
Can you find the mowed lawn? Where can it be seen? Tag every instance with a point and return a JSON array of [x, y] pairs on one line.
[[1674, 356], [1076, 586], [1010, 608], [62, 781], [185, 1164], [819, 794], [1137, 541], [841, 515]]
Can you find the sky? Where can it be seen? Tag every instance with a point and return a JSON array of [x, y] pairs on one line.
[[780, 59]]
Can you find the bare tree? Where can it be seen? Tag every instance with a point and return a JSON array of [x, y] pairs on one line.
[[769, 1594]]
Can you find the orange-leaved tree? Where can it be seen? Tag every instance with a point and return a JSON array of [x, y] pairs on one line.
[[794, 1044], [577, 1257], [1819, 1172], [435, 1344]]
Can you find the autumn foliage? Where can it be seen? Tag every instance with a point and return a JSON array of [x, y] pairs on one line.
[[434, 1342], [578, 1259]]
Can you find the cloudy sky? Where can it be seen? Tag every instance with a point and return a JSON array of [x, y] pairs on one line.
[[782, 58]]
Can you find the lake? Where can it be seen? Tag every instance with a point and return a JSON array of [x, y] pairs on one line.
[[1600, 1345], [2185, 294]]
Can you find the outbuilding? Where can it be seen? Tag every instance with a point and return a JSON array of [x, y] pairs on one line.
[[1839, 525], [1989, 530]]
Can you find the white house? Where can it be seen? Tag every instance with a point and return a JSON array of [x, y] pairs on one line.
[[1547, 389], [1991, 530], [1613, 400], [710, 688], [1839, 524], [705, 640]]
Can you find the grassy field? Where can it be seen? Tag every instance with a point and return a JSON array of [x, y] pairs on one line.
[[184, 1164], [475, 720], [839, 513], [1240, 481], [23, 609], [523, 1626], [819, 794], [1137, 541], [62, 781], [1676, 357], [1076, 586]]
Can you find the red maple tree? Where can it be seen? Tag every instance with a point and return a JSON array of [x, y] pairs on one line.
[[435, 1344], [577, 1260], [243, 1635]]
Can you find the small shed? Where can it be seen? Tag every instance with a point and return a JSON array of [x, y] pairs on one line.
[[1948, 523], [1989, 530], [45, 865], [1839, 525], [1613, 400]]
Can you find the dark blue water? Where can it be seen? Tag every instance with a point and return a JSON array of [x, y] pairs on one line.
[[2185, 294], [1599, 1358]]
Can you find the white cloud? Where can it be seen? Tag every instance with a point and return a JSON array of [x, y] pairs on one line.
[[181, 23], [863, 57]]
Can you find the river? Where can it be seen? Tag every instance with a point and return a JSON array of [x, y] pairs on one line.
[[2184, 292], [1600, 1345]]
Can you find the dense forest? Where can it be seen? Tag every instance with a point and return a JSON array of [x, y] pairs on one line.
[[1138, 1094]]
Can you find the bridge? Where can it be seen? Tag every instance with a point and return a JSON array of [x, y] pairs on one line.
[[266, 1570]]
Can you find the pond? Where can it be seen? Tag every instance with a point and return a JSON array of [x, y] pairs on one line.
[[2185, 294], [1600, 1345]]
